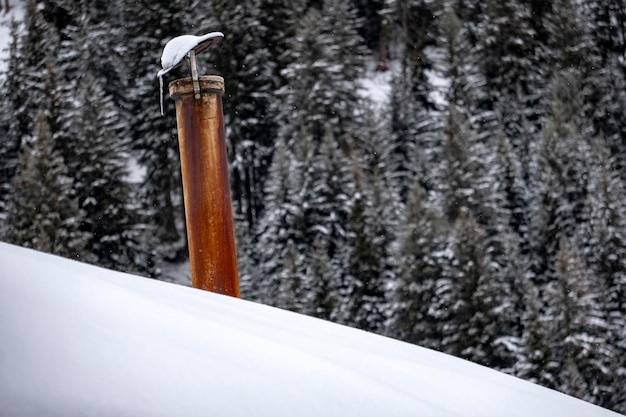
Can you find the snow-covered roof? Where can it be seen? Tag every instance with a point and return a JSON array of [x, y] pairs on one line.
[[80, 340]]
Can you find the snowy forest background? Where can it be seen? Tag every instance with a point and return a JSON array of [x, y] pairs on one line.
[[474, 203]]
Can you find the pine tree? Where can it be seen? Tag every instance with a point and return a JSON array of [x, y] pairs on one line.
[[280, 18], [462, 168], [98, 159], [93, 141], [568, 44], [326, 57], [291, 280], [32, 52], [609, 26], [328, 187], [44, 214], [580, 358], [422, 253], [245, 261], [414, 142], [605, 251], [85, 22], [375, 29], [365, 270], [323, 287], [317, 114], [478, 298], [415, 19], [372, 228], [248, 66], [11, 144], [514, 64], [513, 188], [607, 78], [32, 130], [533, 354], [148, 26], [560, 179], [283, 224], [468, 85], [414, 118], [307, 210]]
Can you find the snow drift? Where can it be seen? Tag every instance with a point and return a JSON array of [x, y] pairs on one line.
[[80, 340]]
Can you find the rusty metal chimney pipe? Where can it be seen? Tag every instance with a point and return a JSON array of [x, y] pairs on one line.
[[206, 185]]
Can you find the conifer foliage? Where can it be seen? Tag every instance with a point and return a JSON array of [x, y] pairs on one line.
[[46, 214], [474, 204]]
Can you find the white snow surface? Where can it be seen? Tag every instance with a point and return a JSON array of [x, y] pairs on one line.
[[81, 340], [376, 87], [136, 172]]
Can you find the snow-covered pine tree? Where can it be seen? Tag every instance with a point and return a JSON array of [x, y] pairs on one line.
[[607, 78], [36, 97], [422, 252], [498, 72], [302, 231], [559, 178], [474, 165], [249, 68], [479, 157], [580, 359], [463, 166], [97, 155], [281, 225], [605, 251], [317, 115], [414, 139], [461, 68], [514, 65], [10, 103], [468, 141], [323, 296], [280, 18], [569, 44], [147, 27], [416, 21], [307, 209], [328, 187], [414, 120], [372, 228], [363, 271], [33, 48], [100, 23], [291, 291], [532, 356], [374, 29], [366, 266], [514, 192], [95, 145], [326, 57], [42, 211], [609, 26], [573, 54], [477, 297], [606, 105]]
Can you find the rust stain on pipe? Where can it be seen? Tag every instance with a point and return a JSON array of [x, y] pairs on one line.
[[206, 185]]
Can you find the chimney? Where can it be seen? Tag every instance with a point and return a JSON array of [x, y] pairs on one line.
[[206, 185]]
